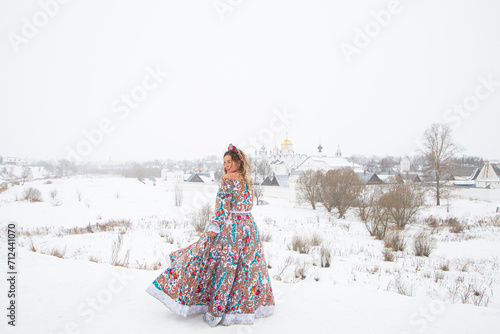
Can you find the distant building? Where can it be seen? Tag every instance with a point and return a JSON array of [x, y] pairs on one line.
[[201, 177], [405, 165], [276, 180], [282, 161], [487, 178], [369, 178], [14, 161], [287, 166], [172, 177], [326, 163]]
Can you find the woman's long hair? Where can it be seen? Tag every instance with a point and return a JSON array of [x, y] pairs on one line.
[[244, 168]]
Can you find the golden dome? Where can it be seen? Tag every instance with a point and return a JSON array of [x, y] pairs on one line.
[[286, 142]]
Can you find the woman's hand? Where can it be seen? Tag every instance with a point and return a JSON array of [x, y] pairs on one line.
[[212, 234]]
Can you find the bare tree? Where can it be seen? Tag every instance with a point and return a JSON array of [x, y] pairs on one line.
[[178, 195], [262, 169], [308, 188], [374, 215], [54, 198], [439, 151], [340, 189], [258, 191], [402, 202], [201, 217], [366, 200], [65, 167], [26, 174]]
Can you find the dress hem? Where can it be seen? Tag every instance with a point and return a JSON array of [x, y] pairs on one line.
[[226, 319]]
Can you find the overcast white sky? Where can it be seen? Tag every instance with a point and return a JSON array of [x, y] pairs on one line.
[[231, 72]]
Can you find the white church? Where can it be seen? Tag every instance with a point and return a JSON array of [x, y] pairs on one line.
[[285, 163]]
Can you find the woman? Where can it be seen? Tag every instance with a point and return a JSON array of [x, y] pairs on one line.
[[224, 274]]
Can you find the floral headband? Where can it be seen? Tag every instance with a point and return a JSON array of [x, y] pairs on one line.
[[231, 147]]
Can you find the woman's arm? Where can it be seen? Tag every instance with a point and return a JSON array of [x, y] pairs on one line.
[[222, 206]]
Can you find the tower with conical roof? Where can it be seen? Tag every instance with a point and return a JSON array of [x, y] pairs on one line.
[[286, 146], [338, 154], [320, 148]]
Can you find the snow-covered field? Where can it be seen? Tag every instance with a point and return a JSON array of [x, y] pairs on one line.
[[93, 221]]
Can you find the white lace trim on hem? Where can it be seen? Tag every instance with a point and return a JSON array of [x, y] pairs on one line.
[[213, 227], [226, 319]]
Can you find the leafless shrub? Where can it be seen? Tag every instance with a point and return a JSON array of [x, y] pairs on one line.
[[300, 244], [32, 195], [456, 226], [438, 275], [480, 296], [495, 221], [388, 255], [377, 222], [423, 244], [123, 262], [325, 257], [79, 195], [112, 224], [115, 249], [54, 198], [155, 266], [268, 261], [56, 252], [339, 189], [466, 265], [432, 221], [402, 202], [402, 287], [454, 291], [470, 293], [258, 192], [395, 240], [286, 264], [300, 270], [178, 194], [201, 217], [93, 259], [345, 226], [26, 174], [375, 216], [168, 238], [316, 239], [48, 182], [367, 199], [373, 270], [265, 236], [445, 266], [308, 188]]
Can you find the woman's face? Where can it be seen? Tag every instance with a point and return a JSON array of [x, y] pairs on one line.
[[230, 165]]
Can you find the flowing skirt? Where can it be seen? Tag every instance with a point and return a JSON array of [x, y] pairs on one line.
[[225, 277]]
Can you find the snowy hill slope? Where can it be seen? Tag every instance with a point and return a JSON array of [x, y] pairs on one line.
[[73, 296]]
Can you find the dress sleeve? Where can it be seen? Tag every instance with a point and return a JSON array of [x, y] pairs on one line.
[[222, 206]]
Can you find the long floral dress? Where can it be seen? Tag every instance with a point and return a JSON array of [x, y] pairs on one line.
[[225, 277]]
